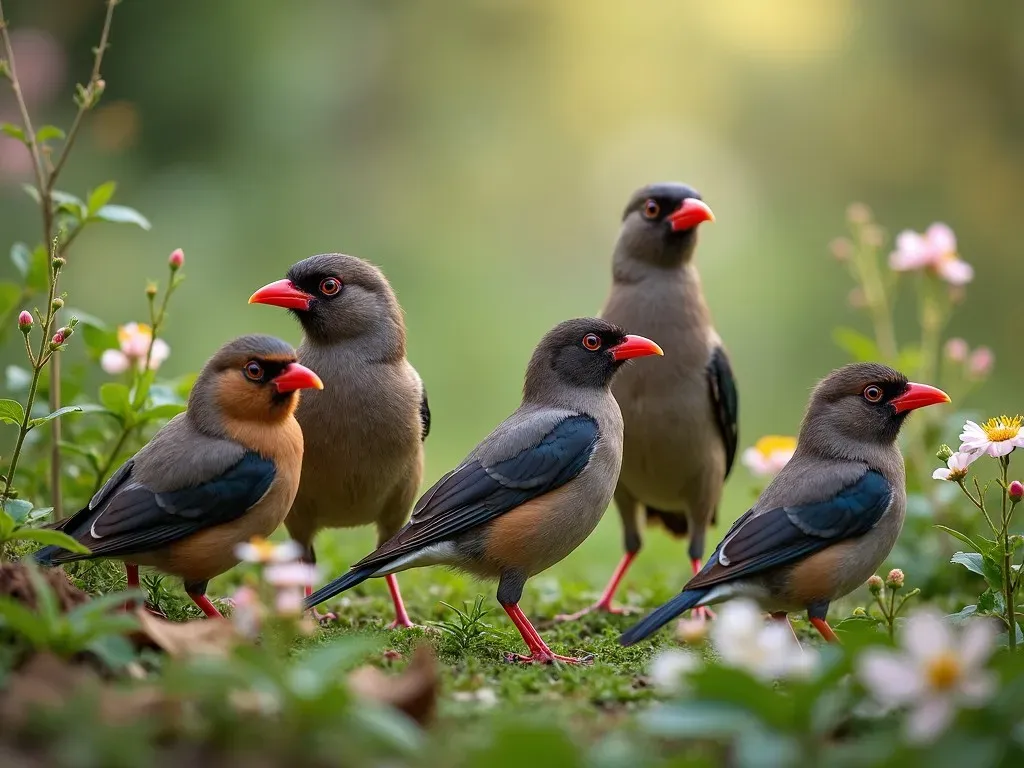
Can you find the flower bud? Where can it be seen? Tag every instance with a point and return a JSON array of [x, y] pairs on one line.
[[66, 331], [875, 584], [894, 579], [842, 249], [25, 321], [858, 213], [151, 290], [956, 350], [944, 453], [980, 363], [58, 263], [1016, 491], [176, 259], [57, 340], [56, 304]]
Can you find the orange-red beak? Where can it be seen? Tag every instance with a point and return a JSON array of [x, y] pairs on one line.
[[918, 396], [688, 215], [635, 346], [295, 377], [282, 293]]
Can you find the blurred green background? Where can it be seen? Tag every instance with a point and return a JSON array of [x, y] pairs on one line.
[[481, 153]]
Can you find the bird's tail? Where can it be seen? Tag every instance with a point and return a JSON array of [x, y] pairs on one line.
[[52, 555], [659, 617], [340, 584]]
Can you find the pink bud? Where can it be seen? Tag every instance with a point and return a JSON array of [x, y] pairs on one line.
[[58, 338], [1016, 491], [842, 249], [895, 579], [858, 213], [875, 584], [176, 259], [25, 321], [981, 362], [957, 350]]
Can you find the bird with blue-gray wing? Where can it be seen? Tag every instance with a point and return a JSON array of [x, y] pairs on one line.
[[532, 490], [831, 516], [224, 471]]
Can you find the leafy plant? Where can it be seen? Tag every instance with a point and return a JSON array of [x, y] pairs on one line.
[[468, 629]]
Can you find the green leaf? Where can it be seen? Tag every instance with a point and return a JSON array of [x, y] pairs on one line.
[[38, 277], [972, 561], [115, 398], [100, 197], [142, 385], [11, 412], [21, 255], [49, 133], [122, 214], [961, 536], [69, 204], [15, 132], [167, 411], [23, 621], [17, 379], [860, 347], [966, 613], [55, 415], [48, 537], [18, 509], [10, 295]]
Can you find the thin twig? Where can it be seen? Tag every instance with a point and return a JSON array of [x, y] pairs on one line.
[[30, 134]]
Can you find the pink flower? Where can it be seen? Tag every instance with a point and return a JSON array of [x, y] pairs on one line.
[[1016, 490], [176, 259], [25, 321], [769, 455], [288, 602], [934, 250], [981, 362], [957, 350], [58, 338], [134, 339]]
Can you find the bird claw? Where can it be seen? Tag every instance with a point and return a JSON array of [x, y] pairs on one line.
[[406, 623], [548, 658], [608, 608], [704, 613], [323, 618]]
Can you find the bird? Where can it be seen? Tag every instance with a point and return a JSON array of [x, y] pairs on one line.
[[829, 518], [364, 439], [681, 415], [534, 488], [220, 473]]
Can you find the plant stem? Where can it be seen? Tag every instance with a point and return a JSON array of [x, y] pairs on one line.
[[877, 302], [101, 476], [1004, 540]]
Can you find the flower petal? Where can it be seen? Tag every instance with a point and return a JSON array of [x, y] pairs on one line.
[[978, 688], [976, 644], [955, 271], [926, 721], [113, 361], [926, 635], [941, 238], [940, 474], [890, 677]]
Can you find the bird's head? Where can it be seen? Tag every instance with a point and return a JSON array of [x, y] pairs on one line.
[[337, 297], [584, 354], [865, 404], [659, 225], [250, 379]]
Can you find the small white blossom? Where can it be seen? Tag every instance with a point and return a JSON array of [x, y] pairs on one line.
[[259, 550], [934, 250], [134, 340], [768, 650], [955, 469], [669, 669], [936, 672], [290, 574]]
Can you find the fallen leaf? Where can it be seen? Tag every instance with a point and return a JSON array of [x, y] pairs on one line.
[[413, 691], [201, 637]]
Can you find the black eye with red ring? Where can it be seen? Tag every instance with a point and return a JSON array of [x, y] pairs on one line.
[[592, 342], [651, 209], [329, 286], [253, 371], [873, 393]]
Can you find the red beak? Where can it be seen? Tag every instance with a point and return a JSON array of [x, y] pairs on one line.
[[635, 346], [918, 396], [295, 377], [282, 293], [691, 213]]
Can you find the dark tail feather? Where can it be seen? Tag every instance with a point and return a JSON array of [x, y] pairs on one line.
[[340, 584], [45, 556], [659, 617]]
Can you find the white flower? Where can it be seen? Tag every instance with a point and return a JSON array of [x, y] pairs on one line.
[[936, 250], [769, 455], [669, 669], [290, 574], [289, 601], [768, 650], [259, 550], [114, 362], [936, 672], [955, 469], [996, 437], [134, 340]]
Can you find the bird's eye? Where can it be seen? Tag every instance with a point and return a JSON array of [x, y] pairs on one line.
[[872, 393], [592, 342], [253, 371], [651, 209], [330, 286]]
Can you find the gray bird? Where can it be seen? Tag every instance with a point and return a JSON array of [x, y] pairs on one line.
[[829, 518], [364, 439], [224, 471], [535, 488], [680, 415]]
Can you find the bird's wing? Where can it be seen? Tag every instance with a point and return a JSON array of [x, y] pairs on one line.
[[479, 491], [725, 401], [785, 534], [126, 516]]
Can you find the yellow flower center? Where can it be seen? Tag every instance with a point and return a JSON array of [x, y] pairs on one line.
[[1002, 429], [264, 549], [126, 333], [770, 444], [943, 671]]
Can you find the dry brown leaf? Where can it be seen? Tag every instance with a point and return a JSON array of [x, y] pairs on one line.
[[15, 583], [201, 637], [413, 691]]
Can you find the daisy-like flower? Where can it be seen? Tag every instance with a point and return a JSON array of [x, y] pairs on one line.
[[769, 455], [767, 650], [290, 574], [955, 469], [995, 437], [259, 550], [134, 340], [936, 672], [935, 249], [669, 669]]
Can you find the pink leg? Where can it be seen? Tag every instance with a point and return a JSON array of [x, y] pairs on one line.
[[783, 617], [826, 631], [206, 606], [604, 603], [701, 612], [317, 616], [539, 651], [132, 572], [401, 616]]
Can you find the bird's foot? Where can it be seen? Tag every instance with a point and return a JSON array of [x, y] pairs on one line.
[[599, 607], [704, 613], [541, 657], [323, 618], [404, 622]]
